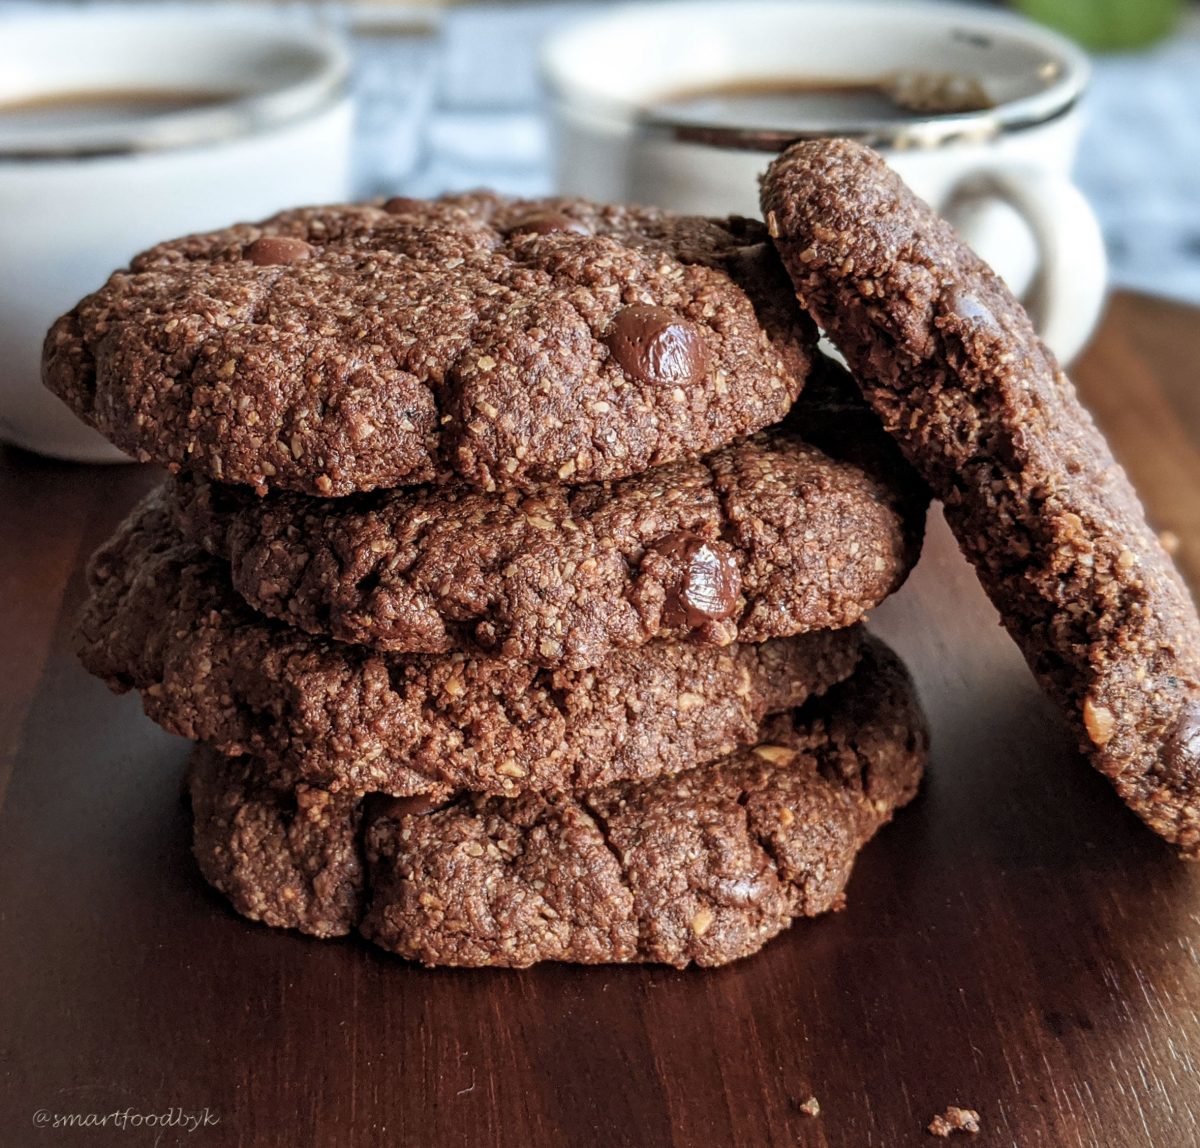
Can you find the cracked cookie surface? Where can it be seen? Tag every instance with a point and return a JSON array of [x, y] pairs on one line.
[[563, 576], [162, 618], [340, 349], [703, 867], [951, 363]]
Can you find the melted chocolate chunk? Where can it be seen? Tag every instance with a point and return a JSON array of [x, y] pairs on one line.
[[1181, 751], [709, 584], [268, 250], [403, 205], [655, 345], [545, 222], [420, 804], [968, 308]]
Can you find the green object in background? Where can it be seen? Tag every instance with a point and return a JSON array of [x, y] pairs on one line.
[[1107, 25]]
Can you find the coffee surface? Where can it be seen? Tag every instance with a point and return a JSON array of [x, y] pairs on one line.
[[104, 106], [799, 102]]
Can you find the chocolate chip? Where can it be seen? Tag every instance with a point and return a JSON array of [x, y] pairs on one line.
[[1181, 750], [708, 584], [394, 808], [655, 345], [545, 222], [404, 205], [267, 250], [967, 307]]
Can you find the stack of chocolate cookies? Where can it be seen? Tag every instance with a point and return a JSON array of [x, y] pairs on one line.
[[510, 575]]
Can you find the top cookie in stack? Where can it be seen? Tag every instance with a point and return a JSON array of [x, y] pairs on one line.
[[510, 344], [484, 500]]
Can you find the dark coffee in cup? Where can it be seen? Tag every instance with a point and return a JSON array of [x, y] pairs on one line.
[[104, 105]]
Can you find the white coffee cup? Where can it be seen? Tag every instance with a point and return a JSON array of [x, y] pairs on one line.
[[81, 192], [1002, 174]]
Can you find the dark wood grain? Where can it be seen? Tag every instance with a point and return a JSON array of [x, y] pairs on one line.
[[1016, 942]]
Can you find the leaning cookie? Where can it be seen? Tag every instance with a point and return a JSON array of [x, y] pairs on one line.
[[766, 538], [340, 349], [162, 618], [951, 363], [702, 867]]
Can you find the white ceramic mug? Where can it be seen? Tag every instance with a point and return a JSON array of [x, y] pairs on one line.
[[79, 196], [1002, 175]]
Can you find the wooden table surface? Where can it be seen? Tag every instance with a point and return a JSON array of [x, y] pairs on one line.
[[1016, 942]]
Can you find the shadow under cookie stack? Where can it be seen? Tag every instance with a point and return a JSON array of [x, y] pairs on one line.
[[510, 575]]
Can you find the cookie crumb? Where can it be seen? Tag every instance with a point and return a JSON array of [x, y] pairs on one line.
[[811, 1107], [953, 1120]]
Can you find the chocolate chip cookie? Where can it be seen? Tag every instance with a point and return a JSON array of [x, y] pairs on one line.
[[950, 361], [285, 854], [163, 619], [701, 867], [765, 538], [340, 349]]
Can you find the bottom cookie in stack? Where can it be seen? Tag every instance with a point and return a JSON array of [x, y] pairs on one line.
[[703, 866]]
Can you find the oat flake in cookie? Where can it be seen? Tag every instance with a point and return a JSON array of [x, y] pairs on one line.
[[340, 349], [951, 363], [765, 538], [704, 867], [163, 619]]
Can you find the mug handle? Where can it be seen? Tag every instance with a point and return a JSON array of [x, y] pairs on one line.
[[1067, 294]]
